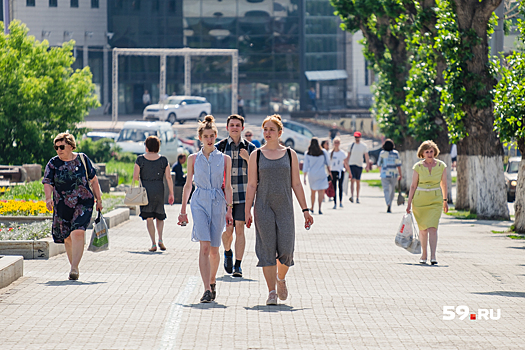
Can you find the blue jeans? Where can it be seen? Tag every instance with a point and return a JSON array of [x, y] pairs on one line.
[[389, 188]]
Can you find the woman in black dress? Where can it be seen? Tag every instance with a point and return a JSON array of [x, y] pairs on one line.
[[71, 197], [152, 167]]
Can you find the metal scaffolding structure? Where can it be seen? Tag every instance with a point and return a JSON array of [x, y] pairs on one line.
[[163, 53]]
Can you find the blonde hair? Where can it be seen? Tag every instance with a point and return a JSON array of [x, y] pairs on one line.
[[207, 123], [428, 144], [67, 138], [276, 119]]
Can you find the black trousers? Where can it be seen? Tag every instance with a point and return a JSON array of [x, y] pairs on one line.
[[335, 181]]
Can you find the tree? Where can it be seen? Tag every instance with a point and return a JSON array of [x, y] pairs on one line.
[[385, 25], [466, 102], [509, 113], [40, 95]]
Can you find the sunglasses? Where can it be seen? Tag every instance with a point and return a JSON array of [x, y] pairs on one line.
[[62, 147], [248, 135]]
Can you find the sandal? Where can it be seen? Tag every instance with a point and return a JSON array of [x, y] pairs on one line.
[[162, 246], [153, 248], [73, 275]]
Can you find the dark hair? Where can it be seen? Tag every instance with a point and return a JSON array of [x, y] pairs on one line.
[[235, 116], [152, 144], [388, 145], [324, 142], [180, 156], [314, 149]]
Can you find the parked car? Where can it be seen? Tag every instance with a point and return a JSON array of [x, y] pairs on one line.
[[511, 177], [295, 135], [97, 135], [178, 109], [134, 133]]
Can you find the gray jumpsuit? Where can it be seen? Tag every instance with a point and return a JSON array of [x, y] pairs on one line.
[[273, 212]]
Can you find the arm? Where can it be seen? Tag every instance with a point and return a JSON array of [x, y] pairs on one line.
[[306, 165], [444, 190], [136, 173], [48, 190], [95, 186], [186, 191], [299, 191], [251, 188], [413, 186], [167, 172], [367, 160], [228, 190], [400, 174]]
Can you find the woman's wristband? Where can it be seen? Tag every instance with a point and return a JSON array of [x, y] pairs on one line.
[[445, 200], [304, 210]]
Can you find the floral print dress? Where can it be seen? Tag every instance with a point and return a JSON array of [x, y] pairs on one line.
[[73, 199]]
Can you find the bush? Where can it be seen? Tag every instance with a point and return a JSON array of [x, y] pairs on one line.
[[100, 151], [36, 230], [123, 169]]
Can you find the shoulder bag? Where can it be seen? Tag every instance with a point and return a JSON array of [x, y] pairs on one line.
[[136, 195]]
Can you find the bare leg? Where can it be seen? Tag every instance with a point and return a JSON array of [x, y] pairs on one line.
[[227, 238], [215, 260], [160, 228], [320, 196], [282, 270], [240, 240], [312, 197], [357, 187], [69, 250], [76, 242], [151, 230], [352, 184], [423, 237], [432, 240], [270, 275], [204, 263]]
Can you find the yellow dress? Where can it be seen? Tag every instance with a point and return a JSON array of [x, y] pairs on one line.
[[427, 205]]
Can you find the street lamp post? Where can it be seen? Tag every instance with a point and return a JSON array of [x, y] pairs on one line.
[[7, 19]]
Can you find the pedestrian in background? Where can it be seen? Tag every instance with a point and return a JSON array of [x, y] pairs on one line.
[[333, 132], [314, 167], [71, 188], [146, 98], [337, 166], [313, 98], [273, 173], [325, 144], [248, 135], [388, 162], [240, 106], [428, 191], [357, 151], [239, 150], [180, 178], [150, 168], [211, 208]]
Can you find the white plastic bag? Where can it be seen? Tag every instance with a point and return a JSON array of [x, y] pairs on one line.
[[405, 232]]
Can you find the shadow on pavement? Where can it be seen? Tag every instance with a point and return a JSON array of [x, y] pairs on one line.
[[503, 294], [204, 306], [145, 252], [424, 265], [517, 247], [69, 283], [273, 308], [228, 278]]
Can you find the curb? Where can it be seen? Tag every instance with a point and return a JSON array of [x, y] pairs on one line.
[[11, 269], [45, 248]]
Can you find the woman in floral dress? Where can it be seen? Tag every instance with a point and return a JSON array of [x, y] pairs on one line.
[[71, 188]]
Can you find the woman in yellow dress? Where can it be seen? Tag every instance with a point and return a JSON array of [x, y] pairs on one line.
[[429, 183]]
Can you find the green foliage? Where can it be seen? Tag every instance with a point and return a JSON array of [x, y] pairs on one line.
[[459, 214], [123, 169], [99, 151], [40, 95], [33, 231], [29, 191]]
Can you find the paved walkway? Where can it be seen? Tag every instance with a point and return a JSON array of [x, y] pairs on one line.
[[351, 288]]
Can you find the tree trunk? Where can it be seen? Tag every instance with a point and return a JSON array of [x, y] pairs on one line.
[[482, 148], [409, 158], [462, 202], [519, 202]]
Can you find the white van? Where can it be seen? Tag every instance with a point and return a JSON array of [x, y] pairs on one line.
[[134, 133]]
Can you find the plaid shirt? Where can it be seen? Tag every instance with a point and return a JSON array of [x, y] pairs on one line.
[[239, 166]]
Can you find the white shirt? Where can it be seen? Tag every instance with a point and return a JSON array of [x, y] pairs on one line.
[[337, 160], [357, 153]]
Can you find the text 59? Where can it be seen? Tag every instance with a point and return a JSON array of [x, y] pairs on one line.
[[449, 313]]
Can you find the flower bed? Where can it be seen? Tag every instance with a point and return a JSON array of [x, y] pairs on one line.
[[19, 232], [23, 208]]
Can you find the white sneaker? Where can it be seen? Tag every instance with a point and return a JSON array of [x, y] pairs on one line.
[[282, 291], [272, 298]]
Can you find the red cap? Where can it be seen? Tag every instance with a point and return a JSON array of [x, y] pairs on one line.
[[357, 134]]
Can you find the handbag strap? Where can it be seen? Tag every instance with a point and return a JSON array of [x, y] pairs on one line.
[[81, 155], [414, 224]]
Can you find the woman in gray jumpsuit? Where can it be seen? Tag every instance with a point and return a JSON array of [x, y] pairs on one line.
[[273, 171]]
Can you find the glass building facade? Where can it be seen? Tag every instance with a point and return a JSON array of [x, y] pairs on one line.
[[277, 41]]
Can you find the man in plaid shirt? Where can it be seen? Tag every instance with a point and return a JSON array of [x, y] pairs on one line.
[[239, 150]]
